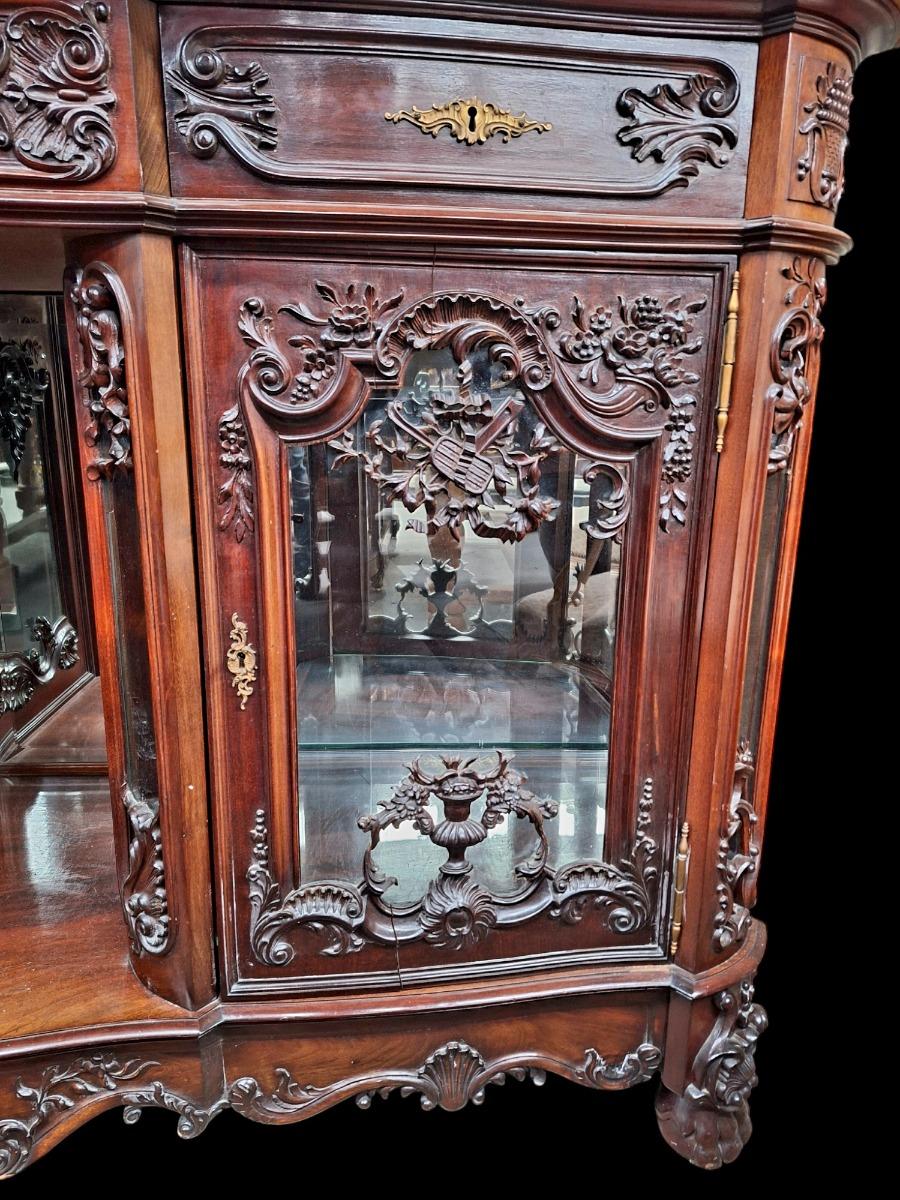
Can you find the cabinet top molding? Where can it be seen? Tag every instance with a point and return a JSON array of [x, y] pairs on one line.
[[861, 27]]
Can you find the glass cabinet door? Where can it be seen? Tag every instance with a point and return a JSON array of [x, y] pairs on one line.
[[454, 529]]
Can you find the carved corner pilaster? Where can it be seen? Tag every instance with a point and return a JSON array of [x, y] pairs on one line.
[[709, 1122]]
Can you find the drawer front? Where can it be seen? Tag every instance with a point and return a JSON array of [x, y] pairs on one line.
[[264, 102]]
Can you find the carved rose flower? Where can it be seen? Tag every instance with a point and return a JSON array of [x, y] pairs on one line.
[[630, 341], [350, 324], [318, 369]]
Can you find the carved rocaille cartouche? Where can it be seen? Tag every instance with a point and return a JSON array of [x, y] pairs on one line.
[[339, 331]]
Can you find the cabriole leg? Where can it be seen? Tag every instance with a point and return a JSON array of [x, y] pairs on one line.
[[708, 1123]]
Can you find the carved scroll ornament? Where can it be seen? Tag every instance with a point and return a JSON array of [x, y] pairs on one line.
[[21, 674], [623, 376], [456, 911], [825, 134], [738, 857], [794, 356], [98, 324], [454, 1075], [144, 895], [55, 96], [710, 1122], [685, 128], [471, 121]]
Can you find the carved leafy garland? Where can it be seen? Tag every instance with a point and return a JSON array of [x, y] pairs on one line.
[[55, 95], [451, 1077], [447, 455], [98, 324], [21, 674], [456, 911], [710, 1123], [794, 356]]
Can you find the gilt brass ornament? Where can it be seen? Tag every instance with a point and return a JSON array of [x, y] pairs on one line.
[[470, 121]]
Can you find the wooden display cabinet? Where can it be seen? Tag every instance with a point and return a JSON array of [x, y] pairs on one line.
[[444, 384]]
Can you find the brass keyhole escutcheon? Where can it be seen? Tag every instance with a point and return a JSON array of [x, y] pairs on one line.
[[241, 660]]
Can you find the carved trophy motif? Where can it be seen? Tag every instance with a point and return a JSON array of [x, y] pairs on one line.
[[55, 96], [794, 356], [684, 128], [21, 674], [471, 122], [456, 911], [709, 1124], [447, 452], [98, 323], [825, 134]]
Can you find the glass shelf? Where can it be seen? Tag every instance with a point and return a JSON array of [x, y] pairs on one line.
[[412, 702]]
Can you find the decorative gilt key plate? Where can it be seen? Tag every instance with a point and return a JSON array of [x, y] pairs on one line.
[[470, 121]]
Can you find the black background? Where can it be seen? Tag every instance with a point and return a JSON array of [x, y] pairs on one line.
[[827, 848]]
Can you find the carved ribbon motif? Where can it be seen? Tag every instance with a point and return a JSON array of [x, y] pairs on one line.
[[794, 356], [825, 132], [451, 1077], [98, 323], [21, 674], [55, 95], [710, 1122], [22, 385], [624, 376], [456, 910]]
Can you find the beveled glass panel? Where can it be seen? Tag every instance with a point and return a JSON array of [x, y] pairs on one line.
[[456, 585], [29, 567]]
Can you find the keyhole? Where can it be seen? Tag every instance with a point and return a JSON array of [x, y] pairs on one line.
[[473, 113]]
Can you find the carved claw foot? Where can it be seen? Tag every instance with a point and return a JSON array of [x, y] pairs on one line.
[[709, 1123], [705, 1136]]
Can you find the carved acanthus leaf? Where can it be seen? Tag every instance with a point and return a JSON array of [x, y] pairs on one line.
[[55, 95], [21, 674], [685, 128], [98, 323], [236, 491]]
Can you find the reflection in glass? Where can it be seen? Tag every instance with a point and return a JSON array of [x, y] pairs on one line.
[[29, 569], [456, 581]]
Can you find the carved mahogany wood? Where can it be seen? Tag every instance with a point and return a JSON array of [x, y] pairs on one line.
[[443, 389]]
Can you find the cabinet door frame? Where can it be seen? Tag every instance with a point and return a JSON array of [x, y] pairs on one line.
[[243, 422]]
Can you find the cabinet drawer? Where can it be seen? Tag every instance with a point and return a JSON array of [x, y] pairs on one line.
[[263, 102]]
